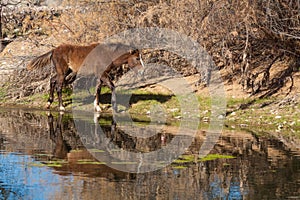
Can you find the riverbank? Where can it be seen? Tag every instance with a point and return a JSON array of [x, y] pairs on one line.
[[273, 115]]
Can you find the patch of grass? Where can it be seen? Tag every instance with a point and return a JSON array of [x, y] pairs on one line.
[[179, 167], [3, 93], [96, 150], [184, 159], [210, 157], [42, 155], [54, 163], [143, 107], [34, 164], [76, 151], [169, 104], [233, 102], [67, 91], [204, 102], [124, 163], [39, 99], [89, 162]]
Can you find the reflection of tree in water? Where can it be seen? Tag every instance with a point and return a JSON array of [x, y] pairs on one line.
[[263, 165]]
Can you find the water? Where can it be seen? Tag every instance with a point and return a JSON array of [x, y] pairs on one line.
[[45, 156]]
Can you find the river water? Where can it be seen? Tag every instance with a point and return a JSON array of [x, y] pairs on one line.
[[46, 156]]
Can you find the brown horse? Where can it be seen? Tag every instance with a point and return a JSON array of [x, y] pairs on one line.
[[68, 59]]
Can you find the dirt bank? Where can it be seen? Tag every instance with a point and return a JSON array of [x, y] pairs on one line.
[[259, 68]]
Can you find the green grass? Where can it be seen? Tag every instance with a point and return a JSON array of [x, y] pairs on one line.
[[96, 150], [257, 115], [187, 159], [210, 157], [3, 93], [124, 163], [179, 167], [89, 162], [183, 159]]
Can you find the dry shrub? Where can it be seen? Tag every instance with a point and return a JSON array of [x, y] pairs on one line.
[[246, 38]]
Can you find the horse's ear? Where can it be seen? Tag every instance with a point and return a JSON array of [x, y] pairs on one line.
[[134, 51]]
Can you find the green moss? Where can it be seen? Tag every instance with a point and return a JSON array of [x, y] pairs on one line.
[[96, 150], [184, 159], [34, 164], [124, 163], [179, 167], [55, 163], [89, 162], [3, 93], [210, 157], [76, 151]]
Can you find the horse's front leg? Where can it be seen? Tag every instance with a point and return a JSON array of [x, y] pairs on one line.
[[97, 96], [51, 93], [110, 84], [60, 81]]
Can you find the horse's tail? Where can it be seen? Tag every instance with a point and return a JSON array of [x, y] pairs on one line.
[[40, 61]]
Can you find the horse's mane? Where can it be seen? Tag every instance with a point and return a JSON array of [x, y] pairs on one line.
[[119, 47]]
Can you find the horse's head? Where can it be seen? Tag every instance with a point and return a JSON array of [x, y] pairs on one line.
[[135, 60]]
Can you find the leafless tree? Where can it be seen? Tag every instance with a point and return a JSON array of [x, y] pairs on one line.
[[4, 6]]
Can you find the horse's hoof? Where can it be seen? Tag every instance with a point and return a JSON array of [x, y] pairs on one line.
[[97, 109], [96, 117], [48, 105]]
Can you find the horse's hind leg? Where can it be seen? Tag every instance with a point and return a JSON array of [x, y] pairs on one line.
[[52, 88], [97, 96]]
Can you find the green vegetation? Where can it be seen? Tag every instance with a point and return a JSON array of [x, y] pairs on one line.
[[179, 167], [124, 163], [184, 159], [264, 115], [259, 115], [54, 163], [2, 93], [96, 150], [215, 156], [90, 162]]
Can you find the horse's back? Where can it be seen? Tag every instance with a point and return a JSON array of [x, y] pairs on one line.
[[72, 55]]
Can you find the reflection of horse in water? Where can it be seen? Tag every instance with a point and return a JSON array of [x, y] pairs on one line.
[[56, 135], [66, 138], [68, 146], [61, 127], [67, 60]]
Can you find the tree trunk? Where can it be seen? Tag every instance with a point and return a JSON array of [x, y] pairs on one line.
[[1, 35]]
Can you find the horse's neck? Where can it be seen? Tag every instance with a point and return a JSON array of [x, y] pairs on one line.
[[121, 60], [91, 47], [109, 68], [115, 64]]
